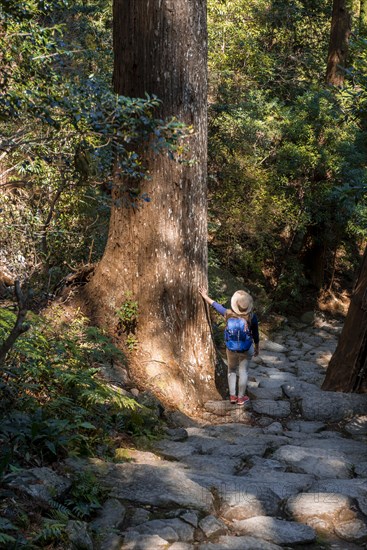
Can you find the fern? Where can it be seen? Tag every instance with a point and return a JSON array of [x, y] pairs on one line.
[[59, 511], [53, 381], [53, 530], [85, 495], [6, 538], [6, 525]]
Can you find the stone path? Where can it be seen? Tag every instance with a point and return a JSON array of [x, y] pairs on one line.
[[289, 470]]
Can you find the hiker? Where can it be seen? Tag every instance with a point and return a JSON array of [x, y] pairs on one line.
[[242, 340]]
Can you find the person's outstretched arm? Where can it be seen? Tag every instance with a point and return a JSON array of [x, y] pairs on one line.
[[219, 308], [203, 293]]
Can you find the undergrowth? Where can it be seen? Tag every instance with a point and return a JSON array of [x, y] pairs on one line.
[[54, 404]]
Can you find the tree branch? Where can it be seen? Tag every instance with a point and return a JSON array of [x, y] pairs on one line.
[[20, 327]]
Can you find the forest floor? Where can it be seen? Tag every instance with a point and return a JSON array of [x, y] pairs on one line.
[[288, 470]]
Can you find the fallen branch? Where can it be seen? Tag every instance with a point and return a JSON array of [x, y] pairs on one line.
[[20, 327]]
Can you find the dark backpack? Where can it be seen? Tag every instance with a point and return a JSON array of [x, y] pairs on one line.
[[237, 334]]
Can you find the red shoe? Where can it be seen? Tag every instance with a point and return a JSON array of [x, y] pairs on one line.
[[243, 400], [233, 399]]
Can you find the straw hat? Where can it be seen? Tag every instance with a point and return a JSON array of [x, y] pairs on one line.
[[242, 303]]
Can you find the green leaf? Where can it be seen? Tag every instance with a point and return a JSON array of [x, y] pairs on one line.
[[87, 426], [51, 446]]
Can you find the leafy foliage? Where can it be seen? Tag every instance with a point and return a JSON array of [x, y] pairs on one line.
[[54, 403], [86, 495], [286, 154], [128, 315], [61, 130]]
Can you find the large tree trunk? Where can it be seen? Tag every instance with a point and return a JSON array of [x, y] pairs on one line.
[[158, 251], [338, 45], [347, 370]]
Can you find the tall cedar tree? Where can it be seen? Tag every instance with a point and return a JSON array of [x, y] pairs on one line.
[[339, 39], [363, 18], [316, 256], [157, 250], [347, 370]]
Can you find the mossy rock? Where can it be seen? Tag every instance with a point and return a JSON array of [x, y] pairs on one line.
[[122, 455]]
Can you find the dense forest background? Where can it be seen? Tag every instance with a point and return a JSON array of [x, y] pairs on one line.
[[287, 204], [286, 150]]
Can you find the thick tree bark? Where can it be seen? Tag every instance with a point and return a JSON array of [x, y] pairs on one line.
[[338, 45], [347, 370], [158, 251]]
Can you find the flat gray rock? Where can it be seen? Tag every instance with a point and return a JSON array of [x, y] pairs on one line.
[[39, 483], [303, 364], [260, 465], [171, 530], [111, 541], [276, 530], [136, 541], [181, 546], [352, 531], [284, 484], [256, 501], [313, 378], [357, 426], [180, 420], [275, 409], [77, 532], [242, 446], [355, 488], [110, 517], [212, 527], [265, 421], [221, 408], [190, 516], [305, 426], [333, 406], [270, 383], [318, 462], [294, 357], [176, 434], [268, 345], [308, 368], [238, 489], [139, 516], [214, 464], [354, 450], [174, 450], [360, 469], [231, 432], [274, 428], [298, 389], [239, 543], [325, 506], [163, 484], [265, 393]]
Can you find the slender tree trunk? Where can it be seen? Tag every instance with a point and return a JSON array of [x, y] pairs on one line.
[[363, 18], [347, 370], [19, 327], [158, 251], [314, 255], [338, 45]]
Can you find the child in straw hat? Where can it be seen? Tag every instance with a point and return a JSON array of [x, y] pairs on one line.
[[242, 305]]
